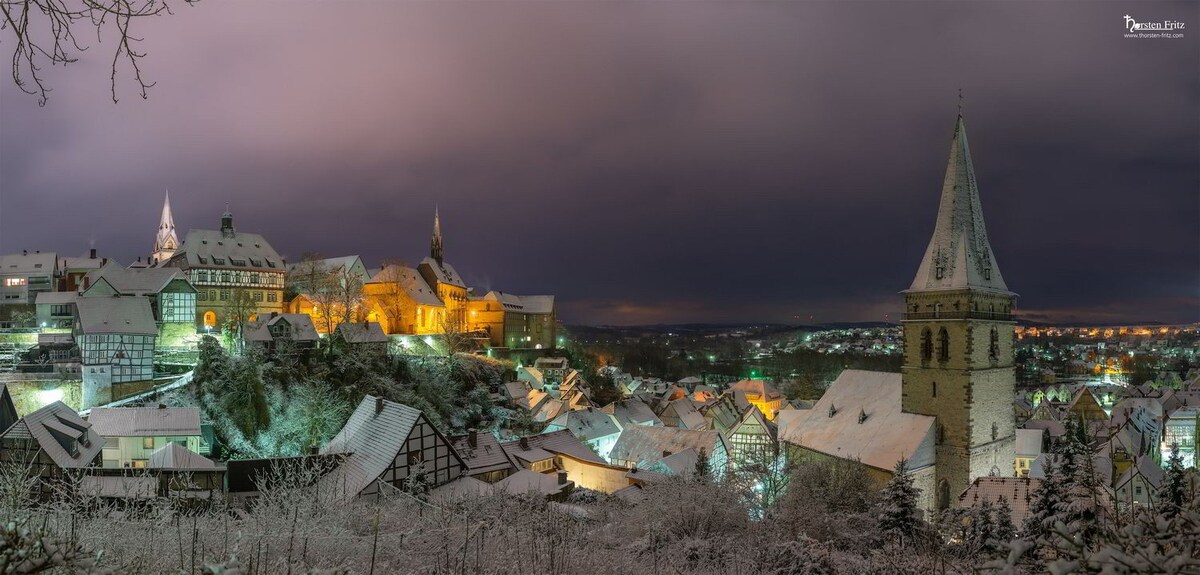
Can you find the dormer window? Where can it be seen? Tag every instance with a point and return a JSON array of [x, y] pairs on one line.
[[940, 272]]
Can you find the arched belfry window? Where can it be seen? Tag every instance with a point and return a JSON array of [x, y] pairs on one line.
[[943, 345], [926, 345], [994, 345]]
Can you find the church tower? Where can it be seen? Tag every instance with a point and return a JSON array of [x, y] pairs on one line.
[[166, 242], [435, 244], [958, 339]]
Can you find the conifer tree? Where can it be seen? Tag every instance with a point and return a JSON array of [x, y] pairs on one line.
[[703, 471], [1172, 494], [899, 516]]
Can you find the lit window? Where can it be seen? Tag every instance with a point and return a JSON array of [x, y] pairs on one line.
[[14, 282], [147, 443]]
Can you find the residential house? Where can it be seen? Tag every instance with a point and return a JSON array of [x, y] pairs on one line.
[[73, 270], [514, 321], [116, 337], [133, 434], [384, 443], [559, 451], [398, 298], [760, 393], [172, 297], [366, 336], [1017, 492], [597, 429], [670, 450], [290, 333], [1030, 444], [483, 456], [22, 277], [327, 289], [632, 411], [754, 440], [682, 413], [54, 443]]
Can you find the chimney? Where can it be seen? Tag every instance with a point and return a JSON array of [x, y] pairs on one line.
[[274, 314], [472, 437], [87, 282], [524, 443], [562, 477], [104, 261], [314, 450], [378, 405], [162, 406], [24, 252], [666, 453], [92, 254]]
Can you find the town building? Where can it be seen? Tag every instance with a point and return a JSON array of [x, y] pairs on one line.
[[116, 337], [22, 277], [281, 333], [53, 443], [384, 443], [445, 281], [514, 321], [172, 297], [133, 435], [73, 270], [330, 290], [398, 298], [238, 275]]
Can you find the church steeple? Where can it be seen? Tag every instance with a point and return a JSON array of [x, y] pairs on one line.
[[959, 255], [435, 244], [165, 242], [227, 229]]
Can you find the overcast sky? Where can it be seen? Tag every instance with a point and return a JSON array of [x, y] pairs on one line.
[[645, 162]]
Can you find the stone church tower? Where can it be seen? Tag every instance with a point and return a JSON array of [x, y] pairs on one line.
[[166, 242], [958, 339]]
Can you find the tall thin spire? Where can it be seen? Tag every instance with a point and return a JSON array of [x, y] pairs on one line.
[[435, 244], [959, 255], [165, 242]]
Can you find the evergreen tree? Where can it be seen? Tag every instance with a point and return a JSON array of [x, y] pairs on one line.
[[417, 482], [1049, 503], [1172, 494], [899, 516], [1003, 523], [703, 471]]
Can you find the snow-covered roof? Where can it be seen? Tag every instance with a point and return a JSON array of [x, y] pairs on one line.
[[959, 255], [410, 281], [136, 281], [484, 456], [1029, 442], [145, 421], [644, 445], [300, 327], [632, 411], [525, 481], [836, 426], [587, 424], [364, 332], [64, 436], [1019, 492], [559, 442], [211, 249], [175, 456], [443, 272], [25, 264], [116, 314]]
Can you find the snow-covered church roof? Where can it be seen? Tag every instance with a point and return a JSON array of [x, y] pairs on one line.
[[959, 255]]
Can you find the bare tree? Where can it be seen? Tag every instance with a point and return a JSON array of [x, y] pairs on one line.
[[454, 335], [392, 294], [349, 294], [45, 32], [239, 308], [312, 279]]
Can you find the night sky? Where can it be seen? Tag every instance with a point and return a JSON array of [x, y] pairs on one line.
[[645, 162]]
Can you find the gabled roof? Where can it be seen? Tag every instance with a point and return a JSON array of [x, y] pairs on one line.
[[632, 411], [65, 437], [443, 272], [116, 314], [586, 424], [8, 411], [754, 418], [211, 249], [332, 264], [145, 421], [371, 440], [959, 255], [1144, 467], [1019, 492], [24, 264], [684, 414], [486, 455], [645, 445], [365, 332], [175, 456], [410, 281], [760, 390], [300, 324], [135, 281], [886, 435], [525, 481], [558, 442], [1029, 442]]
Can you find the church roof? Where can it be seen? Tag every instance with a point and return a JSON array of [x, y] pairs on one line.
[[860, 417], [410, 281], [443, 272], [959, 255], [166, 239]]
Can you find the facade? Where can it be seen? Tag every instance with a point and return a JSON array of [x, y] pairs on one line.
[[74, 270], [116, 337], [52, 443], [330, 290], [759, 393], [237, 275], [513, 321], [172, 297], [22, 277], [133, 434], [383, 443], [281, 333], [958, 336], [398, 298]]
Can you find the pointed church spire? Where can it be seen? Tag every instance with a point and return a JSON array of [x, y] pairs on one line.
[[959, 255], [165, 242], [435, 244]]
